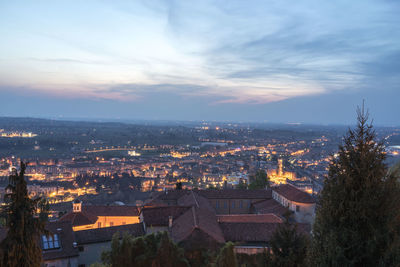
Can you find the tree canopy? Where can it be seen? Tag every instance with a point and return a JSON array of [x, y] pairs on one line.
[[21, 246], [259, 180], [151, 250], [226, 256], [288, 246], [357, 217]]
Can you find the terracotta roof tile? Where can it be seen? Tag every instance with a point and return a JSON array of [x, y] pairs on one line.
[[250, 218], [111, 210], [196, 219], [67, 239], [219, 194], [236, 194], [159, 216], [200, 218], [254, 232], [90, 213], [269, 206], [293, 193], [78, 218], [105, 234]]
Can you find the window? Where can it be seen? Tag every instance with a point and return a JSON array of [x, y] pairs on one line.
[[99, 225], [225, 204], [217, 204], [233, 204], [241, 203], [297, 208], [50, 242]]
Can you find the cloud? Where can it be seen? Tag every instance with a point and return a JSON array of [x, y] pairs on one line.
[[226, 52]]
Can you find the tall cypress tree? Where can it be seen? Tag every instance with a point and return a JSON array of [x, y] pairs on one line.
[[21, 245], [356, 213]]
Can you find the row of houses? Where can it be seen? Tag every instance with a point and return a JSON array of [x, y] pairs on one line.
[[194, 219]]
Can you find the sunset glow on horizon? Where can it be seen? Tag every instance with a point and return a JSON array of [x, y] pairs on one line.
[[246, 55]]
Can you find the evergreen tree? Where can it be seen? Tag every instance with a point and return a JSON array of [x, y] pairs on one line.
[[151, 250], [227, 257], [357, 217], [169, 254], [288, 246], [21, 245], [259, 181]]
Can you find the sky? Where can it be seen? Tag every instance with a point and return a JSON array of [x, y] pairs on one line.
[[260, 61]]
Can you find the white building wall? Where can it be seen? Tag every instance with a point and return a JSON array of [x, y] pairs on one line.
[[305, 212]]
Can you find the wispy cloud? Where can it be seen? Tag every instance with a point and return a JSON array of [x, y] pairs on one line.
[[228, 52]]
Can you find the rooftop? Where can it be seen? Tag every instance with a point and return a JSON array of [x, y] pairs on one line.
[[269, 206], [99, 235], [158, 216], [254, 232], [249, 218], [292, 193]]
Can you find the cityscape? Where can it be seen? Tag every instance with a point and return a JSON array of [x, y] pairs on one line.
[[199, 134], [197, 156]]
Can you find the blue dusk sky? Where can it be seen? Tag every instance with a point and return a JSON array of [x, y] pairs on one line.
[[265, 61]]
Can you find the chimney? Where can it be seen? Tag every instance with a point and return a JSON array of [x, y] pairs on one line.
[[170, 222]]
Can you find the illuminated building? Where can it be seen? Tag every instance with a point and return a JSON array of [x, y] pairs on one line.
[[91, 217], [133, 153], [279, 176]]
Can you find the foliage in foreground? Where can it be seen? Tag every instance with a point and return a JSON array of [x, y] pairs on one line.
[[227, 257], [21, 247], [357, 218], [151, 250], [288, 246]]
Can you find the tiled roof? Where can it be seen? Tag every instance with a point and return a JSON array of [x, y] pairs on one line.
[[269, 206], [67, 239], [249, 218], [292, 193], [200, 218], [219, 194], [156, 202], [78, 218], [158, 216], [236, 194], [90, 214], [196, 219], [99, 235], [171, 195], [194, 199], [111, 210], [254, 232]]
